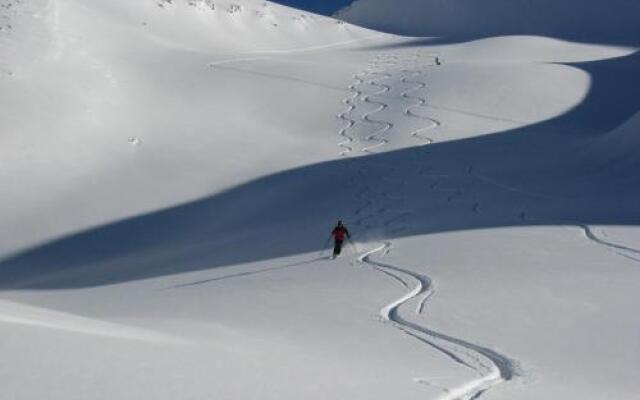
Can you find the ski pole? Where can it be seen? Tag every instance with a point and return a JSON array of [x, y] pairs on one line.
[[326, 246], [353, 248]]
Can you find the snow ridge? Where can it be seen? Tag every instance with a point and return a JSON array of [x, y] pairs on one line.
[[27, 315]]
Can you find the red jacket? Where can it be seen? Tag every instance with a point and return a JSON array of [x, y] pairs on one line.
[[340, 232]]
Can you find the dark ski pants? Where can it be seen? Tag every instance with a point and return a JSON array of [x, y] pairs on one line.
[[337, 247]]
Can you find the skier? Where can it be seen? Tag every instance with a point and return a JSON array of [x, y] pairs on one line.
[[339, 233]]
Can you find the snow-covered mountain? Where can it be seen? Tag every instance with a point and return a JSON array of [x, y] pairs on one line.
[[614, 21], [172, 170]]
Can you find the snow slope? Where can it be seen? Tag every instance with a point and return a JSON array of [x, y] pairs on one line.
[[172, 171], [106, 123]]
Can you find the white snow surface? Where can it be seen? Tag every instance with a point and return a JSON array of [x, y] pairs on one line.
[[172, 170]]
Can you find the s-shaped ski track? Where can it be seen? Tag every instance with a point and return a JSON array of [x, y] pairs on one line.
[[492, 367], [384, 125], [421, 102]]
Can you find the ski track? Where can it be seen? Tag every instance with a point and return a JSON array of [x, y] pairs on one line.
[[510, 121], [455, 194], [264, 54], [240, 274], [587, 230], [385, 126], [616, 248], [346, 115], [421, 102], [589, 233], [492, 367]]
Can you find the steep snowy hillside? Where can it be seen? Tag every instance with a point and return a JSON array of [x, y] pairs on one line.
[[172, 171], [592, 20], [103, 99]]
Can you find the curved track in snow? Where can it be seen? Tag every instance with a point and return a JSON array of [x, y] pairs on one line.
[[587, 230], [346, 115], [615, 247], [590, 234], [421, 102], [384, 126], [491, 367]]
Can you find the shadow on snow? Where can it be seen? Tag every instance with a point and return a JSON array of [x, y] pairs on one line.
[[569, 168]]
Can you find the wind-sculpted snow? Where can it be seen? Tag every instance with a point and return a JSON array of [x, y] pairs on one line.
[[25, 315]]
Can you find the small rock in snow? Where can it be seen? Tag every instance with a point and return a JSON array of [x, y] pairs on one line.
[[206, 4], [234, 9]]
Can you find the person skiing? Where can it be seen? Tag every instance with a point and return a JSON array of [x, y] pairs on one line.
[[339, 233]]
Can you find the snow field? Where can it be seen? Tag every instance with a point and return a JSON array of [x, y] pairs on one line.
[[173, 168]]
